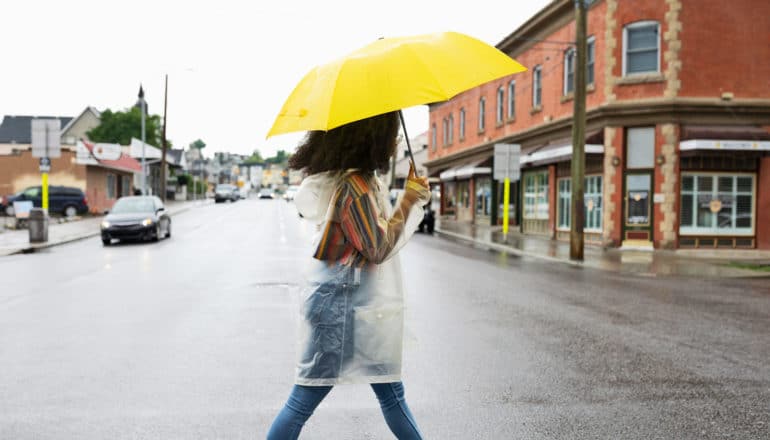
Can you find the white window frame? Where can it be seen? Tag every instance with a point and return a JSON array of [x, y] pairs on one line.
[[715, 230], [531, 198], [560, 195], [482, 113], [461, 128], [537, 86], [512, 99], [590, 64], [570, 53], [639, 24], [500, 113]]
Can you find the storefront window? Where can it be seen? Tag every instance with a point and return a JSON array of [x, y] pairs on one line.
[[484, 196], [450, 197], [536, 195], [592, 200], [112, 186], [463, 194], [717, 204]]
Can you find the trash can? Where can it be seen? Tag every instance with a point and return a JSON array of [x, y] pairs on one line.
[[38, 225]]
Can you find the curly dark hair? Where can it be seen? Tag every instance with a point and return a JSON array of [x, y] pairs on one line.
[[367, 145]]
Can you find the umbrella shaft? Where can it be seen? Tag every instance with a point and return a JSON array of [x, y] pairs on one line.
[[408, 144]]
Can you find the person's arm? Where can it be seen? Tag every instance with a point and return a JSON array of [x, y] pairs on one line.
[[374, 237]]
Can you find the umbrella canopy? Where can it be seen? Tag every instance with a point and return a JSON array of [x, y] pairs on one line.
[[388, 75]]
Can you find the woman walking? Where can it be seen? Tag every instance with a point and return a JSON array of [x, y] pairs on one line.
[[352, 313]]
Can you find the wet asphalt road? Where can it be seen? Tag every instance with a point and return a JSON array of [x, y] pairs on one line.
[[193, 337]]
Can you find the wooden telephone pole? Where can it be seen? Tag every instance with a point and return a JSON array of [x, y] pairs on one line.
[[576, 236]]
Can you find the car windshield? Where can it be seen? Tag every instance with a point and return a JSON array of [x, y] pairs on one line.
[[128, 205], [223, 188]]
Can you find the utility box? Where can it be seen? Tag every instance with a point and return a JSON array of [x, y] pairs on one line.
[[38, 225]]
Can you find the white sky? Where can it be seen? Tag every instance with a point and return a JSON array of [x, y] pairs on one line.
[[231, 64]]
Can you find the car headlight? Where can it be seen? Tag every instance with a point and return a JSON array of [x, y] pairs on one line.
[[105, 224], [147, 222]]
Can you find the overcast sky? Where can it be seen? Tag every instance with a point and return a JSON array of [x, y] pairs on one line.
[[231, 64]]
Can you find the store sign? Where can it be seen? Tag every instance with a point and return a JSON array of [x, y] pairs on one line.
[[732, 145], [107, 151]]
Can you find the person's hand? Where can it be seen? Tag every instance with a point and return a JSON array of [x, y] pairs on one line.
[[413, 177]]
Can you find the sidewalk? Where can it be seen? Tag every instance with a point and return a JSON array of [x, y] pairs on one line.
[[17, 241], [687, 263]]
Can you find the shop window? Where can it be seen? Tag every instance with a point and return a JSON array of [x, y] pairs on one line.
[[463, 194], [536, 195], [462, 124], [112, 186], [717, 204], [450, 197], [484, 196], [592, 200], [641, 48], [126, 188]]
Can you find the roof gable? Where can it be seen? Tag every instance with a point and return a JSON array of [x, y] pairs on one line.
[[18, 129]]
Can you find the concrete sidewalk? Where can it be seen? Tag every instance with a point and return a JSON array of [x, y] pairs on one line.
[[687, 263], [17, 241]]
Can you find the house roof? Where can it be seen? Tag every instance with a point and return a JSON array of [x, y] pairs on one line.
[[174, 156], [18, 129], [123, 163]]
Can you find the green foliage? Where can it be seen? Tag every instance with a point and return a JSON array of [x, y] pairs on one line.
[[254, 159], [199, 144], [280, 157], [198, 188], [119, 127], [183, 179]]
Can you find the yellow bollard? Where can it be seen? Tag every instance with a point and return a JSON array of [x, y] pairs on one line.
[[45, 191], [506, 204]]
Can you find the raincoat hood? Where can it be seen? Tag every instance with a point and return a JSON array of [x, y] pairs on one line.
[[314, 195]]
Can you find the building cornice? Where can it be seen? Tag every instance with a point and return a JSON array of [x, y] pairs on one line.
[[627, 113]]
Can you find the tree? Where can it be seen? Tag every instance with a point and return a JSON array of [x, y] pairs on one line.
[[281, 156], [254, 159], [119, 127], [199, 144]]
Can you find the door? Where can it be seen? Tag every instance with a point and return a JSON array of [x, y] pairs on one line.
[[637, 212]]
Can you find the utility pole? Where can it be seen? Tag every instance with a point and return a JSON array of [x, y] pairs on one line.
[[576, 236], [144, 167], [163, 147]]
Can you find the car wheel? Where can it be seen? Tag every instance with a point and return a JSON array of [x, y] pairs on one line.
[[9, 211], [70, 211], [106, 241], [156, 236]]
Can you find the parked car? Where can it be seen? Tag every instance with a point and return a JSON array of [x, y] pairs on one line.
[[225, 191], [136, 218], [266, 193], [291, 191], [63, 200]]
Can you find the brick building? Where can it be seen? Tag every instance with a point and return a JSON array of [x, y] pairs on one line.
[[678, 121]]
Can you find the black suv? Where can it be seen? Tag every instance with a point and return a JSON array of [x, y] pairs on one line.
[[61, 200]]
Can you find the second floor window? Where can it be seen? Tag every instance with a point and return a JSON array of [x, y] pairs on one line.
[[451, 128], [500, 105], [511, 99], [482, 111], [570, 61], [445, 131], [641, 48], [433, 140], [537, 87], [462, 124]]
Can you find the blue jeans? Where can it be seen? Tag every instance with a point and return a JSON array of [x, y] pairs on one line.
[[304, 400]]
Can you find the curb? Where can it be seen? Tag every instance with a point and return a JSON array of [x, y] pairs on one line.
[[507, 249], [78, 237]]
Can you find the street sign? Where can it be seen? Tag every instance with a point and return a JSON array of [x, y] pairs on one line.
[[506, 163], [45, 165], [46, 138], [107, 151]]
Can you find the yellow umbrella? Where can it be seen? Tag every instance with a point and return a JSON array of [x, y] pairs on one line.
[[388, 75]]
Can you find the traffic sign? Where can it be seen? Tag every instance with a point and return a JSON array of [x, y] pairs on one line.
[[45, 165], [506, 163], [46, 138]]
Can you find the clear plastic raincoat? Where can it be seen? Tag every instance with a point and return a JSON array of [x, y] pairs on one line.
[[352, 309]]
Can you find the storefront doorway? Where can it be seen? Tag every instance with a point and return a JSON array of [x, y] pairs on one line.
[[637, 210]]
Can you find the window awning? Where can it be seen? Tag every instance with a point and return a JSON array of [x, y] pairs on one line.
[[556, 152], [465, 171]]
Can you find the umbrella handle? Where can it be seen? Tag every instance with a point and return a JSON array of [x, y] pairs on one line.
[[408, 145]]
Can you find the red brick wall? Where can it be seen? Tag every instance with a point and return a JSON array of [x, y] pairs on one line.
[[725, 48], [618, 142], [554, 106], [763, 204], [96, 191]]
